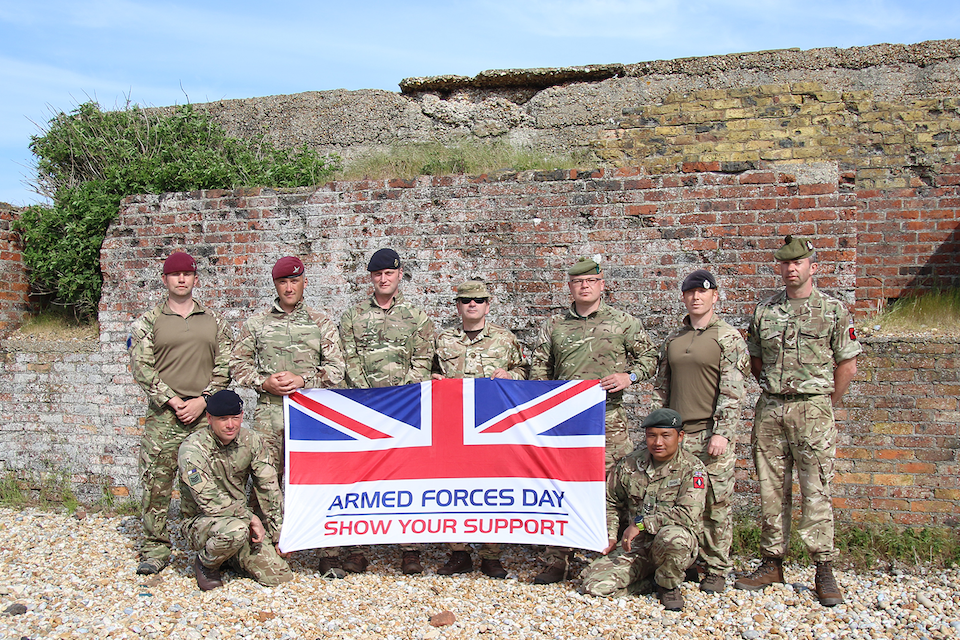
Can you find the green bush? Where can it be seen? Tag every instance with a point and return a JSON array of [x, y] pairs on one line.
[[89, 160]]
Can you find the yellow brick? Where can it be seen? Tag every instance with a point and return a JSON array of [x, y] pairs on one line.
[[710, 94], [882, 127], [756, 145], [893, 479], [668, 131], [727, 103], [728, 147], [736, 114], [828, 96], [946, 494], [743, 156], [776, 154], [808, 152], [773, 89], [811, 88], [740, 136]]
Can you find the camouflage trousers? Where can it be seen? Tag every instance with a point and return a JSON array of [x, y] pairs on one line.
[[618, 444], [220, 539], [788, 431], [162, 436], [665, 556], [717, 533]]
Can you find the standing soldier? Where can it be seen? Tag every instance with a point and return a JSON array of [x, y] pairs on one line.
[[803, 352], [284, 348], [701, 376], [386, 342], [179, 355], [593, 341], [215, 465], [661, 491], [477, 349]]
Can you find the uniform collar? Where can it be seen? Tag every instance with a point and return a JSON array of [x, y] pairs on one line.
[[601, 310], [279, 310], [397, 299]]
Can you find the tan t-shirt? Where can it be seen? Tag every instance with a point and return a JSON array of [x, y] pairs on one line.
[[185, 350], [694, 358]]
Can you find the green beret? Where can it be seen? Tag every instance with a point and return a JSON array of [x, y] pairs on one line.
[[584, 266], [794, 249], [472, 289], [664, 419]]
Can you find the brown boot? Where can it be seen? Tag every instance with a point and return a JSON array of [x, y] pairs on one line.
[[410, 563], [671, 599], [492, 567], [459, 562], [826, 586], [355, 563], [769, 571], [713, 583], [329, 567], [207, 578], [552, 573]]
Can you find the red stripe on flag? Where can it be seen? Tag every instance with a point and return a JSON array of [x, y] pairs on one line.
[[532, 412], [336, 416]]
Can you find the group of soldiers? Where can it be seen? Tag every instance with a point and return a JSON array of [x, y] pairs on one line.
[[668, 501]]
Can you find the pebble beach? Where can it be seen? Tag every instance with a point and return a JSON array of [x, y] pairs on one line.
[[73, 576]]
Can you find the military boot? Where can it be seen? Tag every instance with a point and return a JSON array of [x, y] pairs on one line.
[[459, 562], [671, 599], [769, 572], [554, 572], [355, 563], [207, 578], [150, 566], [826, 586], [329, 567], [713, 583], [492, 567], [410, 562]]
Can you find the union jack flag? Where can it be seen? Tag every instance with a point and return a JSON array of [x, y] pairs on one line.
[[518, 437]]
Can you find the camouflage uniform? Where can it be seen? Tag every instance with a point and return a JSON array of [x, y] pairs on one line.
[[303, 342], [799, 344], [734, 366], [163, 432], [670, 498], [572, 347], [386, 347], [216, 519], [457, 356]]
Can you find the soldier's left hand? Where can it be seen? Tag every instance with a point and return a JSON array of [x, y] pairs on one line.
[[631, 532], [282, 554], [615, 382], [191, 410], [257, 532], [717, 445]]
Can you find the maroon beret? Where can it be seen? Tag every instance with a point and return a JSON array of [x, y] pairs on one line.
[[177, 262], [287, 266]]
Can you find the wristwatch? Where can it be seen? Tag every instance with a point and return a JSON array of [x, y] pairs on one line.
[[638, 523], [633, 378]]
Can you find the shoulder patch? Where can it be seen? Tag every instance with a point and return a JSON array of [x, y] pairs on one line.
[[698, 482], [853, 332], [194, 477]]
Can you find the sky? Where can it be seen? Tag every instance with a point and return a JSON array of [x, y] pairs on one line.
[[58, 54]]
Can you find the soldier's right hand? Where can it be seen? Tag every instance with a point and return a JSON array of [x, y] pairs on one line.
[[611, 546]]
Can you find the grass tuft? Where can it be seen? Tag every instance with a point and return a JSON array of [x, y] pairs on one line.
[[937, 311], [11, 495], [411, 160]]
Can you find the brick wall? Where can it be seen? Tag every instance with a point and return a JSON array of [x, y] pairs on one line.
[[14, 288], [898, 158], [78, 408]]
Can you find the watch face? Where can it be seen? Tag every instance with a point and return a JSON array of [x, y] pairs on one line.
[[633, 377]]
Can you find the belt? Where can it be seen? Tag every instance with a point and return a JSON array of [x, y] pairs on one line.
[[794, 397]]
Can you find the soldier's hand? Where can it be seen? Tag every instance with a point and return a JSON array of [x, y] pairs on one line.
[[191, 410], [282, 383], [611, 546], [257, 532], [717, 445], [436, 376], [628, 536], [615, 382], [282, 554], [501, 373]]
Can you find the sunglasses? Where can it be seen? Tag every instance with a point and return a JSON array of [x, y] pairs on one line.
[[468, 300]]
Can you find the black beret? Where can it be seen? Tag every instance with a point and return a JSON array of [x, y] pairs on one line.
[[224, 403], [699, 279], [384, 259]]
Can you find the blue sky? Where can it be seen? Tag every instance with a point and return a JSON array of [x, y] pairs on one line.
[[57, 54]]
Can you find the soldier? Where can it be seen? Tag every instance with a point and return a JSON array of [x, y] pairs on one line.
[[386, 342], [477, 349], [592, 340], [701, 376], [215, 465], [179, 355], [661, 490], [803, 352], [284, 348]]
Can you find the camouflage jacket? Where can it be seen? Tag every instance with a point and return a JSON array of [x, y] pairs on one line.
[[213, 478], [386, 347], [672, 494], [303, 342], [573, 347], [494, 348], [734, 369], [143, 359], [800, 350]]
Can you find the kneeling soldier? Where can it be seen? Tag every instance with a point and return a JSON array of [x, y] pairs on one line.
[[215, 464], [662, 488]]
